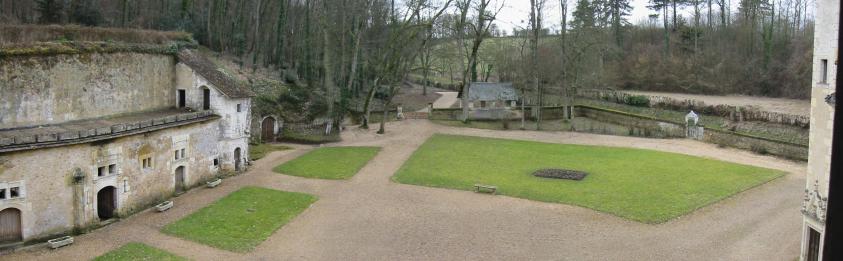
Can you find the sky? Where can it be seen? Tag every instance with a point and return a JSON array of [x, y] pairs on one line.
[[516, 13]]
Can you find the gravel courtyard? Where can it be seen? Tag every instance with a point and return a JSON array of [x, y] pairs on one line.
[[369, 217]]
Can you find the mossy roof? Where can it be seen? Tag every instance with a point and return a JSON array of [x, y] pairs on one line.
[[226, 84]]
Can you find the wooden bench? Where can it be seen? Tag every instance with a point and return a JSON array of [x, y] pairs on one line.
[[488, 188]]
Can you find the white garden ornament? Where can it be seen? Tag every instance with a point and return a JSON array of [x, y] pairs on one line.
[[692, 116]]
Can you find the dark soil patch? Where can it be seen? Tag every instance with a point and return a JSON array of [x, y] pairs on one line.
[[560, 174]]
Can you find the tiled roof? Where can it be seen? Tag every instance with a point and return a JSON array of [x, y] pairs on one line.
[[490, 91]]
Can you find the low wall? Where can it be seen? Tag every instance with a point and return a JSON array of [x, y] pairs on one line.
[[446, 114], [757, 144], [603, 121], [735, 113], [309, 132]]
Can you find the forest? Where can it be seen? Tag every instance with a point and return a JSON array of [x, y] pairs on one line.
[[346, 54]]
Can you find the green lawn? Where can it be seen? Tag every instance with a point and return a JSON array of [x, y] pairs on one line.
[[259, 151], [329, 162], [138, 251], [242, 220], [643, 185]]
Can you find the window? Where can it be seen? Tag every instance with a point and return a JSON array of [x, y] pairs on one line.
[[823, 71], [238, 107], [206, 99], [813, 252], [14, 192], [181, 98], [112, 169], [180, 153], [146, 163], [216, 162], [482, 104], [100, 171], [11, 190], [125, 186]]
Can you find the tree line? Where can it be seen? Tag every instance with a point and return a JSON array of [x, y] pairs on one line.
[[358, 51]]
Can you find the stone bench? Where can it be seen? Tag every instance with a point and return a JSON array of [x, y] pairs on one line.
[[487, 188]]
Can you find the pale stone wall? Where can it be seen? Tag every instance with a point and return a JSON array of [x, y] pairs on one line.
[[52, 204], [822, 117], [234, 125], [40, 90]]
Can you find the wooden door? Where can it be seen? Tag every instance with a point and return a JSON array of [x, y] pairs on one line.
[[180, 179], [106, 203], [268, 129], [10, 226]]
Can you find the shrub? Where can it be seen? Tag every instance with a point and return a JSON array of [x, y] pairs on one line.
[[638, 101]]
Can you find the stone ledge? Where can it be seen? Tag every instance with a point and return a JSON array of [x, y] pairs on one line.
[[64, 137]]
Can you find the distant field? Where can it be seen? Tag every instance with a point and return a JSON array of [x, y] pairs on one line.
[[643, 185]]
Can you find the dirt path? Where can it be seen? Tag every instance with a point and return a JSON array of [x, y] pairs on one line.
[[447, 100], [369, 217], [789, 106]]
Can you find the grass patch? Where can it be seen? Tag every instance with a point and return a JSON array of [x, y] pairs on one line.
[[259, 151], [242, 220], [642, 185], [329, 162], [138, 251]]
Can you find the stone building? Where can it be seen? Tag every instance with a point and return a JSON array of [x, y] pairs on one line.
[[87, 136], [822, 117], [489, 95]]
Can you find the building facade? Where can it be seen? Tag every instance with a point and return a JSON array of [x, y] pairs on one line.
[[88, 137], [822, 122]]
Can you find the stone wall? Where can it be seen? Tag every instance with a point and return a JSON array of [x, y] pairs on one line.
[[618, 123], [756, 144], [41, 90], [603, 121], [734, 113], [53, 203]]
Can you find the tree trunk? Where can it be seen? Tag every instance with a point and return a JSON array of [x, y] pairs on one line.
[[367, 104]]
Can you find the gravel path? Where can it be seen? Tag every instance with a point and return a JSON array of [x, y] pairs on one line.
[[369, 217], [780, 105], [447, 100]]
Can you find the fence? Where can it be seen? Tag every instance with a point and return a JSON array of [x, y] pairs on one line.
[[734, 113]]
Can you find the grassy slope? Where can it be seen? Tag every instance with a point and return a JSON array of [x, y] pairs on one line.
[[642, 185], [241, 220], [329, 162], [138, 251], [259, 151]]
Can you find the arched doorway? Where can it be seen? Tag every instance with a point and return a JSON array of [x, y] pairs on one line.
[[10, 226], [106, 202], [268, 129], [237, 159], [179, 179], [206, 98]]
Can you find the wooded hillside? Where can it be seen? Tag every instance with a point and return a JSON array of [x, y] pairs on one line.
[[354, 51]]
